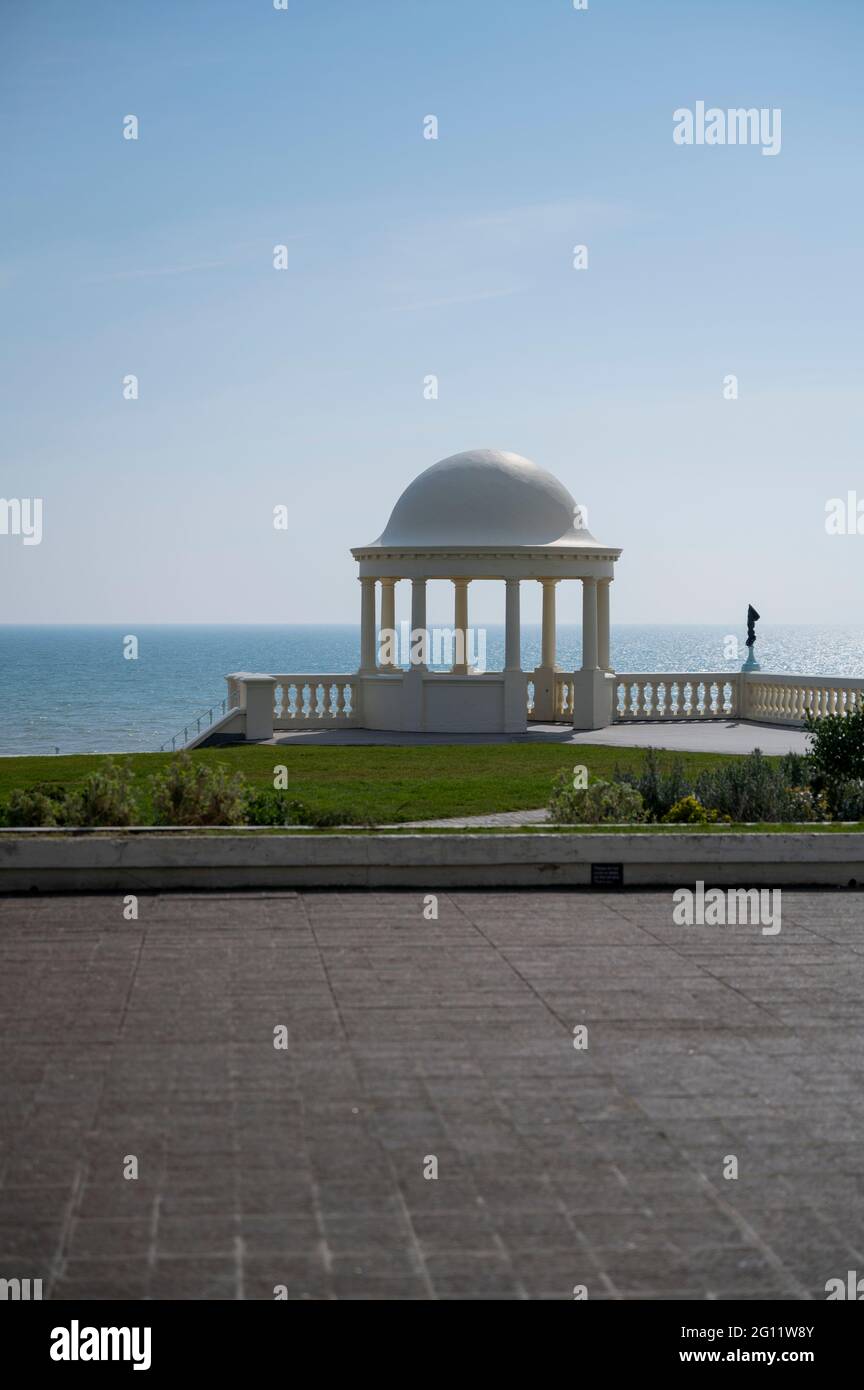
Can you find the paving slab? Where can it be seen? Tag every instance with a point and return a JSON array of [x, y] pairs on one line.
[[425, 1127]]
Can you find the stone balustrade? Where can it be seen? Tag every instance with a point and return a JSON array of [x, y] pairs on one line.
[[327, 701], [702, 695], [787, 699], [563, 708], [734, 695], [333, 701]]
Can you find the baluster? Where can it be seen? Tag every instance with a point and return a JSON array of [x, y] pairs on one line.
[[781, 703]]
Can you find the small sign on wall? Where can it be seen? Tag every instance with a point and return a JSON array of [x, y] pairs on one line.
[[607, 875]]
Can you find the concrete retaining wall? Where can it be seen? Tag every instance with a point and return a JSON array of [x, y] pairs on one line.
[[150, 862]]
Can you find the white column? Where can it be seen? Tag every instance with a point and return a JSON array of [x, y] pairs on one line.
[[548, 645], [589, 624], [418, 622], [367, 625], [388, 619], [512, 634], [603, 624], [460, 625]]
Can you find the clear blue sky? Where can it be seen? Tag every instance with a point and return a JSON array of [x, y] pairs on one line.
[[410, 257]]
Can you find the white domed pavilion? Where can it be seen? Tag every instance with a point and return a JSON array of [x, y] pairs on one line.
[[481, 516], [484, 515]]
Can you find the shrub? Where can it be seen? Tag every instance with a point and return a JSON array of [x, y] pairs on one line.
[[689, 811], [190, 793], [753, 789], [746, 789], [796, 770], [269, 807], [599, 802], [32, 807], [804, 804], [105, 798], [843, 800], [659, 789], [837, 746]]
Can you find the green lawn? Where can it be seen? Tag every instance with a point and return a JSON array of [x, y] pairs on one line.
[[383, 785]]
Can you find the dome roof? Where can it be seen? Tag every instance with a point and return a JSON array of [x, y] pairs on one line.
[[484, 498]]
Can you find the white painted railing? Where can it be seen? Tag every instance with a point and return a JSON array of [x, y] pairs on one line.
[[734, 695], [702, 695], [563, 709], [327, 701], [787, 699]]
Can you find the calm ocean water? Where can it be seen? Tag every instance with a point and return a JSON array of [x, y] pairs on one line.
[[70, 688]]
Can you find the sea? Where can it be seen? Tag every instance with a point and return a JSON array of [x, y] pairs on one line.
[[74, 689]]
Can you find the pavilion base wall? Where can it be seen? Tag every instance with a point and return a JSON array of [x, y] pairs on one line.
[[443, 703]]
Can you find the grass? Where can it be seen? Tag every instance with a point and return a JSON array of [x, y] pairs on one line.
[[382, 785]]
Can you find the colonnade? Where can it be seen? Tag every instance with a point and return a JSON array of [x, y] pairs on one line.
[[595, 622]]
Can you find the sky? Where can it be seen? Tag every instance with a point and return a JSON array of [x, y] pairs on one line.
[[408, 257]]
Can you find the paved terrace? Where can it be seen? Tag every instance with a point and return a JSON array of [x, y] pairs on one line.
[[409, 1038], [686, 735]]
